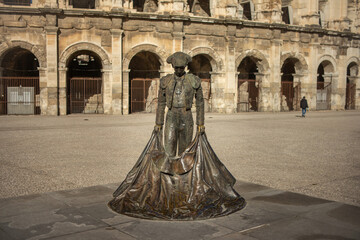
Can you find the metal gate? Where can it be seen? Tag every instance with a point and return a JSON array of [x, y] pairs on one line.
[[350, 96], [323, 96], [139, 93], [19, 95], [85, 95], [291, 94], [249, 96]]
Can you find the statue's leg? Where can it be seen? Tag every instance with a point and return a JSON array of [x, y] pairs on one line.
[[185, 130], [170, 132]]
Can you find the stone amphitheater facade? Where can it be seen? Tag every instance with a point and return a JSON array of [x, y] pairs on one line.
[[264, 44]]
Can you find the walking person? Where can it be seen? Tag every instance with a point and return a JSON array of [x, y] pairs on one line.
[[304, 106]]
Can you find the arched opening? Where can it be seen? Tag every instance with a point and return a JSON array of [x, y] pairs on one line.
[[84, 83], [201, 67], [324, 80], [145, 5], [248, 91], [144, 78], [290, 90], [351, 75], [200, 7], [19, 83]]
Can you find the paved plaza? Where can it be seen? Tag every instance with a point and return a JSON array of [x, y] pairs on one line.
[[300, 176]]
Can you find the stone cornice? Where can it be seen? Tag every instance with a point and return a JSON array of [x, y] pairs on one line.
[[173, 17]]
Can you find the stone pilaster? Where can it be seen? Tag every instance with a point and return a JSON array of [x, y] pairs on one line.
[[264, 92], [51, 71], [216, 103], [327, 84], [269, 11], [165, 6], [117, 100], [178, 36], [310, 14], [51, 4], [356, 80], [230, 88], [62, 91], [275, 78], [107, 90], [43, 90], [125, 89]]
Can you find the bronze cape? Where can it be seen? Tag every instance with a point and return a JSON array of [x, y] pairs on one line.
[[194, 186]]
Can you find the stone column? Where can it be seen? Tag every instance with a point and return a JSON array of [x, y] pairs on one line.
[[117, 70], [107, 90], [327, 84], [125, 90], [356, 80], [51, 73], [62, 90]]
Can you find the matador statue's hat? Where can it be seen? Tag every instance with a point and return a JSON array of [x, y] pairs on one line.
[[179, 59]]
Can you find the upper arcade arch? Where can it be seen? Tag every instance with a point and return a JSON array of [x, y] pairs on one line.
[[257, 57], [66, 55], [214, 58], [328, 63], [158, 51], [300, 64], [39, 53]]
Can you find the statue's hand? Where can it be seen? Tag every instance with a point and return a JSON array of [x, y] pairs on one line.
[[201, 129], [157, 128]]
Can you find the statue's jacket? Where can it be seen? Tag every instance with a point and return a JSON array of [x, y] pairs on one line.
[[191, 87]]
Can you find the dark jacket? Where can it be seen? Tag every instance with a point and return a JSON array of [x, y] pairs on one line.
[[192, 86], [303, 103]]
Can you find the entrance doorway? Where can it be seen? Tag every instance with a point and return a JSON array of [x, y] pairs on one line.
[[84, 84], [144, 77], [324, 80], [19, 83], [290, 92], [248, 91], [201, 67]]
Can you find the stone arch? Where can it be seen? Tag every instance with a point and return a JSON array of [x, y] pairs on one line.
[[38, 52], [84, 46], [262, 63], [158, 51], [215, 60], [355, 62], [301, 66], [330, 63]]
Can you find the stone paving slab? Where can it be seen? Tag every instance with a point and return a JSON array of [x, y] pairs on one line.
[[269, 214]]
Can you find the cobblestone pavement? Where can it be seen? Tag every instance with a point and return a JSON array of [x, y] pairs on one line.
[[317, 156]]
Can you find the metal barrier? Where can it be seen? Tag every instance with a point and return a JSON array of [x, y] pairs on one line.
[[85, 95], [19, 95]]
